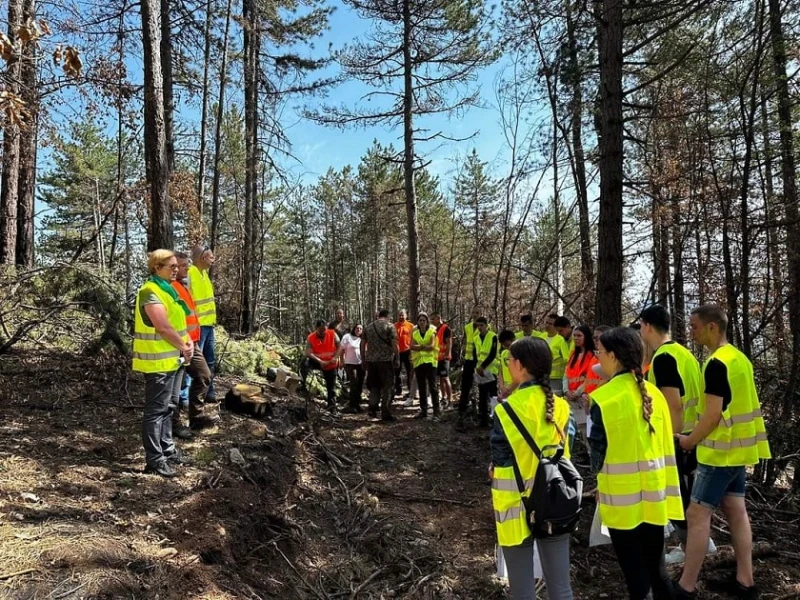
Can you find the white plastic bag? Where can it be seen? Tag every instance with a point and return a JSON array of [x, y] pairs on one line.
[[502, 571], [598, 534]]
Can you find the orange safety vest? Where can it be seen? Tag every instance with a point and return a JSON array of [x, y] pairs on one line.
[[324, 348], [192, 324], [443, 353], [593, 380], [577, 373]]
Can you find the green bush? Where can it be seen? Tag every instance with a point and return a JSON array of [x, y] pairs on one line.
[[246, 357]]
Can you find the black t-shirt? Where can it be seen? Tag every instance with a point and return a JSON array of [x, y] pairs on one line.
[[716, 381], [665, 371]]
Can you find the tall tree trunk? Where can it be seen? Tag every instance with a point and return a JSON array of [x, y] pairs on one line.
[[28, 143], [223, 75], [251, 47], [678, 302], [9, 188], [165, 48], [201, 175], [408, 165], [790, 201], [772, 213], [159, 233], [608, 302], [660, 251], [579, 170]]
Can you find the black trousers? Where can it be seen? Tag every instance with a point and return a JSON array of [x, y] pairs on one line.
[[329, 375], [405, 362], [640, 553], [426, 381], [467, 375], [687, 465], [485, 392], [355, 376]]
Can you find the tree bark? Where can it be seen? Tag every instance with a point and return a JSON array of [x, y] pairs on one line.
[[201, 175], [9, 188], [218, 130], [28, 142], [160, 232], [251, 44], [165, 48], [678, 312], [608, 302], [408, 165], [790, 202]]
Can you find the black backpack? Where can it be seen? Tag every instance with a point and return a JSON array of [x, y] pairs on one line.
[[554, 506]]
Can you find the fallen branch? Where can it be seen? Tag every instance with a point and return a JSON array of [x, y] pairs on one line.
[[18, 573], [425, 499], [365, 583]]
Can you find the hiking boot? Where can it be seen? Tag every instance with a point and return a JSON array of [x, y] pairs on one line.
[[179, 458], [421, 415], [372, 414], [204, 422], [182, 432], [162, 468]]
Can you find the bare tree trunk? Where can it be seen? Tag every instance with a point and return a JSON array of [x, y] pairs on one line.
[[579, 170], [9, 188], [790, 201], [28, 143], [608, 302], [159, 233], [218, 130], [408, 165], [201, 175], [251, 51], [165, 48], [678, 302]]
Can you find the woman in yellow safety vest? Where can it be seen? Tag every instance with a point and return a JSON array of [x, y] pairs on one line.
[[424, 359], [545, 417], [633, 451], [161, 347]]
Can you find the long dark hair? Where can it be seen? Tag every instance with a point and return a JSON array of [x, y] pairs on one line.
[[535, 357], [626, 344], [588, 345]]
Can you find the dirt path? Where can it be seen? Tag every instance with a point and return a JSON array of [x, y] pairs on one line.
[[323, 508]]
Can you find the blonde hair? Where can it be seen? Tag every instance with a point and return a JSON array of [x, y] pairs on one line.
[[158, 258]]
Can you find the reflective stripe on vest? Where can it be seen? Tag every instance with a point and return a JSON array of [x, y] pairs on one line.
[[740, 438], [324, 348], [529, 404], [421, 357], [192, 324], [689, 371], [638, 482], [483, 347], [151, 352], [202, 291]]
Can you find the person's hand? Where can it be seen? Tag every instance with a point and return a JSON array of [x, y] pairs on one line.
[[491, 471], [586, 401], [685, 442], [187, 350]]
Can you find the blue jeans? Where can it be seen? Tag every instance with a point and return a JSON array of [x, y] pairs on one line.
[[207, 346], [711, 484]]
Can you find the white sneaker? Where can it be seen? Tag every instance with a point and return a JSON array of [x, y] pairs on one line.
[[408, 402], [712, 547], [675, 556]]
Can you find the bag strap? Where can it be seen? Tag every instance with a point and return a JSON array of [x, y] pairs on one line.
[[528, 437]]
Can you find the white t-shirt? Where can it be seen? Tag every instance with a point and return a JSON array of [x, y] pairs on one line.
[[352, 349]]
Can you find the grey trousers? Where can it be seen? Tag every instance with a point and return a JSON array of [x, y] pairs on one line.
[[554, 556], [161, 392], [557, 385]]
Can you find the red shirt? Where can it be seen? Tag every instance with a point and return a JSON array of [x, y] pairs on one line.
[[404, 330]]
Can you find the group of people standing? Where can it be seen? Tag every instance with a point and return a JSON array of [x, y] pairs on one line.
[[670, 441], [173, 345]]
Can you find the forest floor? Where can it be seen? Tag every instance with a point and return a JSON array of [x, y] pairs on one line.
[[321, 507]]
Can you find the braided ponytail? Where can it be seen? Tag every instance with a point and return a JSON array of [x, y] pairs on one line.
[[550, 400], [647, 401]]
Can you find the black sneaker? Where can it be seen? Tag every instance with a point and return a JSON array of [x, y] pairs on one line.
[[372, 414], [682, 594], [179, 458], [182, 432], [163, 468], [740, 591], [204, 422]]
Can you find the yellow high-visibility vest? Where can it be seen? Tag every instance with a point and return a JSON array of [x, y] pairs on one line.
[[638, 482], [529, 404], [151, 352], [689, 370], [421, 357], [740, 438], [203, 293], [560, 352], [505, 373], [483, 348]]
